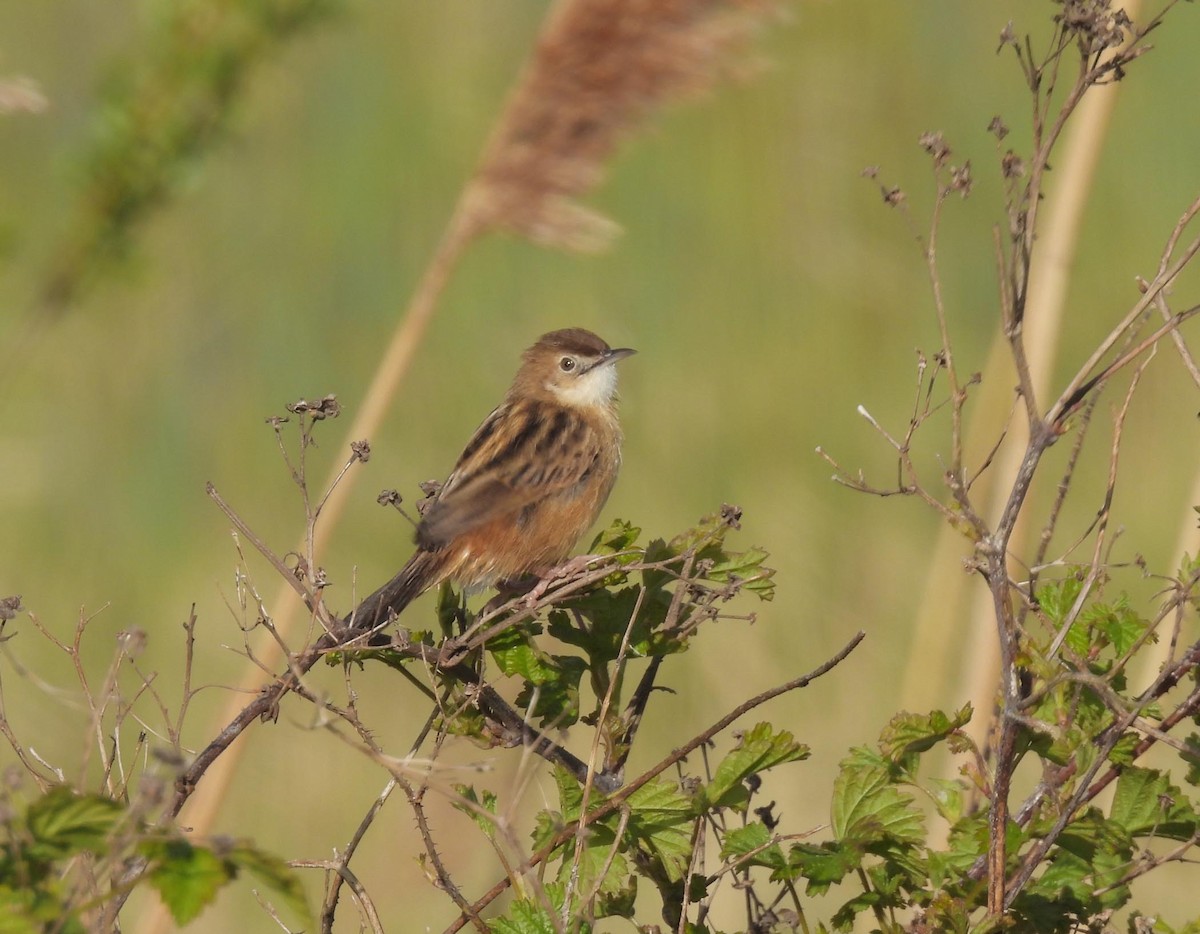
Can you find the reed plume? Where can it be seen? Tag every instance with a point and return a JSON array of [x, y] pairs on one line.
[[600, 69]]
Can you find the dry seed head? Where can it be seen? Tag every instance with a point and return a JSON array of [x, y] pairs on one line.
[[599, 70]]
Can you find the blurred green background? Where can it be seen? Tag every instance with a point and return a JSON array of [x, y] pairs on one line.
[[768, 290]]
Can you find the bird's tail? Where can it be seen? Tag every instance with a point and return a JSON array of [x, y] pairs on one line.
[[423, 570]]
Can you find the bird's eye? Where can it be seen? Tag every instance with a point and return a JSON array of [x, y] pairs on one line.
[[566, 364]]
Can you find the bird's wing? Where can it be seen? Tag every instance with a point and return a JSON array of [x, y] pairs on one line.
[[522, 453]]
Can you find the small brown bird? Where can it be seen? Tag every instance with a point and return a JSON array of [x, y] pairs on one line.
[[533, 477]]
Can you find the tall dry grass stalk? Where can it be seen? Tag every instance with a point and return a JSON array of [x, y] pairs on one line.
[[599, 71], [933, 675]]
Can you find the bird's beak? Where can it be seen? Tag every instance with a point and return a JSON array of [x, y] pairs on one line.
[[611, 357], [618, 354]]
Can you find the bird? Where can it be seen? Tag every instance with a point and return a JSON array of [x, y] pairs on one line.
[[530, 481]]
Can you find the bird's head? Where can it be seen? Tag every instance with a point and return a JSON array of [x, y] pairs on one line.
[[571, 367]]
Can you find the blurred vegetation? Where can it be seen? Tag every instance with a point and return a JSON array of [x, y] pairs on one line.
[[767, 289]]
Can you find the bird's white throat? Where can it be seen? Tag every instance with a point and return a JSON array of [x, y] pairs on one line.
[[595, 387]]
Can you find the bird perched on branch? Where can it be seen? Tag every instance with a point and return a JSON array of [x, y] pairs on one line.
[[531, 480]]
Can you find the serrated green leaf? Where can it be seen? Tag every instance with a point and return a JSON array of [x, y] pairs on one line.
[[524, 917], [63, 822], [609, 612], [867, 807], [516, 654], [1116, 624], [555, 703], [274, 873], [661, 817], [1124, 750], [746, 566], [477, 808], [596, 856], [909, 733], [755, 836], [1056, 598], [742, 840], [948, 915], [1034, 910], [547, 826], [618, 537], [1147, 804], [1100, 851], [570, 793], [1068, 876], [968, 841], [708, 533], [843, 918], [824, 864], [186, 877], [759, 749]]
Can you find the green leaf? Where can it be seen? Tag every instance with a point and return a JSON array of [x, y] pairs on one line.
[[570, 793], [1147, 804], [1067, 879], [1116, 624], [63, 822], [609, 612], [708, 534], [1191, 755], [1124, 750], [546, 827], [516, 654], [948, 915], [186, 877], [597, 856], [1100, 851], [620, 902], [867, 807], [661, 819], [824, 864], [760, 748], [618, 537], [755, 836], [843, 918], [910, 733], [524, 917], [450, 607], [747, 567], [472, 805], [274, 873], [19, 914], [1057, 597], [555, 702], [949, 797], [1034, 910]]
